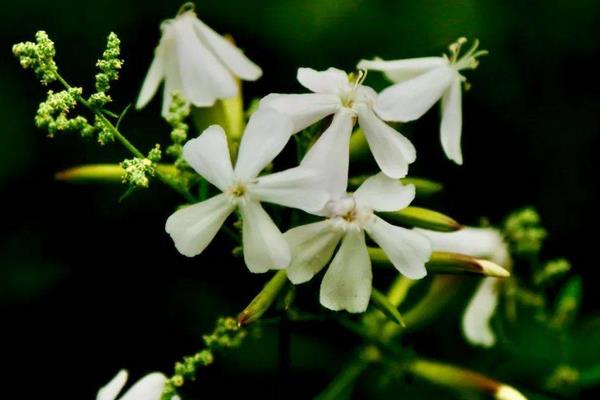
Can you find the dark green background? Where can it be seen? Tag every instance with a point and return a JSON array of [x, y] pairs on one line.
[[88, 286]]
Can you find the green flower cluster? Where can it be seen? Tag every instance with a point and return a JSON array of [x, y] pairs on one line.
[[39, 57], [179, 110], [52, 114], [524, 232], [226, 335], [109, 66]]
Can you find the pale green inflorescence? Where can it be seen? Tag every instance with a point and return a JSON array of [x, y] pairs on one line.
[[52, 114], [39, 57], [524, 231], [179, 110]]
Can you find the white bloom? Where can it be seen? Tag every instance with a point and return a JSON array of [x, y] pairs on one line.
[[149, 387], [197, 62], [476, 242], [347, 282], [420, 83], [193, 228], [334, 93]]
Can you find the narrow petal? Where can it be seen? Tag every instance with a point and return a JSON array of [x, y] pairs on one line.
[[332, 80], [111, 390], [227, 52], [407, 250], [172, 75], [409, 100], [295, 187], [303, 109], [204, 78], [347, 282], [155, 75], [402, 70], [476, 242], [382, 193], [312, 246], [392, 151], [149, 387], [208, 154], [330, 155], [451, 126], [263, 243], [266, 134], [192, 228], [479, 312]]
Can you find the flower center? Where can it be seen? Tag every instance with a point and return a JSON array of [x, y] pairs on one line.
[[356, 79], [238, 190]]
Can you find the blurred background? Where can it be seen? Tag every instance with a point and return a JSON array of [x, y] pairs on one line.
[[88, 285]]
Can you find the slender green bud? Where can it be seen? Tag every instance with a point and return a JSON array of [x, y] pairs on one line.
[[462, 379], [424, 187], [102, 173], [568, 302], [261, 303], [449, 263], [422, 218]]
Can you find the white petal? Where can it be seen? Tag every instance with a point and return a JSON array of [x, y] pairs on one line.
[[295, 187], [479, 312], [192, 228], [409, 100], [382, 193], [476, 242], [312, 246], [155, 75], [172, 76], [149, 387], [451, 126], [208, 154], [303, 109], [204, 78], [347, 282], [111, 390], [266, 134], [401, 70], [392, 151], [332, 80], [330, 155], [227, 52], [263, 243], [407, 250]]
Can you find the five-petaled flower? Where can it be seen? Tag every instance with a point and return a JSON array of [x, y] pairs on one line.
[[335, 93], [149, 387], [347, 282], [476, 242], [420, 83], [193, 228], [197, 62]]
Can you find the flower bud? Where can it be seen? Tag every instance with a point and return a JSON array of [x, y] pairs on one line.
[[263, 300], [422, 218]]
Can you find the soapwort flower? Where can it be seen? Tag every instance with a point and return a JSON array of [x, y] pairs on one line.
[[347, 282], [149, 387], [195, 61], [193, 228], [334, 92], [476, 242], [420, 83]]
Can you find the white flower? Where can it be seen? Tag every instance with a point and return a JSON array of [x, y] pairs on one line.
[[476, 242], [197, 62], [420, 83], [335, 93], [149, 387], [193, 228], [347, 282]]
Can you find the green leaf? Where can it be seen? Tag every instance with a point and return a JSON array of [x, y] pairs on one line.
[[383, 304]]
